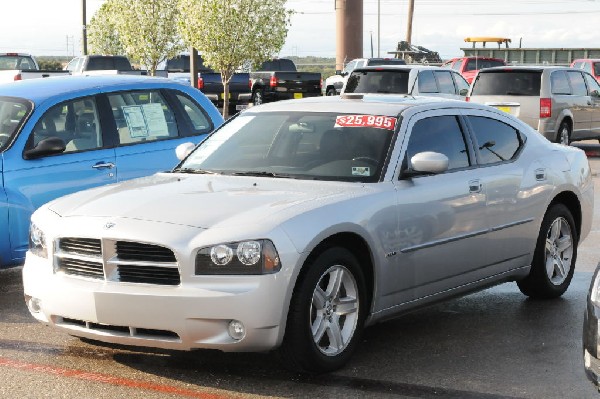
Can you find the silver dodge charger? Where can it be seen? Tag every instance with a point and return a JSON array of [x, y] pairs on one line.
[[298, 223]]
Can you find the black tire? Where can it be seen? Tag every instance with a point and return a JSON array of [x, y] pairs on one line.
[[331, 92], [304, 351], [564, 133], [258, 97], [554, 257]]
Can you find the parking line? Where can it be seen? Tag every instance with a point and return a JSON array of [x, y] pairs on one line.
[[108, 379]]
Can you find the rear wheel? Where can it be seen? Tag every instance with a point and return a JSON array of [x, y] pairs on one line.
[[331, 92], [257, 97], [564, 133], [554, 257], [326, 313]]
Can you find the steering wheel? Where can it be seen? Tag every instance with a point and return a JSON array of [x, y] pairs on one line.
[[370, 160]]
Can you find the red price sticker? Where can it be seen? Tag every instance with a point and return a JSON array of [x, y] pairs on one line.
[[379, 122]]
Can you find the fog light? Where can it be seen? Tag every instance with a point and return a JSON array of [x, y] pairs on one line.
[[236, 330]]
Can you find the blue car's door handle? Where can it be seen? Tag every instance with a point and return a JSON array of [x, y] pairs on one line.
[[104, 165]]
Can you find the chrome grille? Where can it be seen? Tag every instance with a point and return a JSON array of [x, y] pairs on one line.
[[121, 261]]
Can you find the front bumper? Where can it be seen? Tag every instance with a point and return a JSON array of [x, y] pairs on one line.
[[188, 316]]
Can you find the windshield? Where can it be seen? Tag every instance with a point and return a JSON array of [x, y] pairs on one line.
[[378, 81], [13, 112], [506, 82], [324, 146]]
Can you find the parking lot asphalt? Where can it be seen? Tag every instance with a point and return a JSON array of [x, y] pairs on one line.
[[492, 344]]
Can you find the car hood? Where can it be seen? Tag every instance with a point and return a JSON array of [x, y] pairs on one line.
[[203, 201]]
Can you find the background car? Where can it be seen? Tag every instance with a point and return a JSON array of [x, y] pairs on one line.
[[408, 79], [333, 85], [60, 135], [297, 223], [591, 333], [469, 66], [590, 65], [562, 103]]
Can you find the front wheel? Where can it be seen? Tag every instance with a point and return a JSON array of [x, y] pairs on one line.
[[257, 97], [330, 92], [554, 257], [326, 313]]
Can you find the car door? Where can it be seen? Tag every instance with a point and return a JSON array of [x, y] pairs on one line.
[[516, 189], [441, 235], [594, 94], [583, 103], [31, 181], [568, 97], [150, 125]]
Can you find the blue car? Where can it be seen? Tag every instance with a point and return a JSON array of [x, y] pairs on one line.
[[64, 134]]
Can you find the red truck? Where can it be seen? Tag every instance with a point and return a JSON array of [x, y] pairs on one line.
[[469, 66], [590, 65]]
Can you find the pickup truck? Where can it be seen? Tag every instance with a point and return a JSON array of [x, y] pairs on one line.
[[469, 66], [333, 84], [104, 65], [209, 81], [20, 66], [279, 79]]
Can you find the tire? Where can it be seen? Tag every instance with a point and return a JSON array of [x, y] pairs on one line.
[[326, 314], [257, 97], [564, 133], [331, 92], [554, 257]]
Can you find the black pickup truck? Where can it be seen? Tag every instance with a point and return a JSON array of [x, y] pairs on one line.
[[209, 81], [279, 79]]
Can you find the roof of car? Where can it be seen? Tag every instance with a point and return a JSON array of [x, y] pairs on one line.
[[370, 104], [41, 89], [526, 68], [394, 67]]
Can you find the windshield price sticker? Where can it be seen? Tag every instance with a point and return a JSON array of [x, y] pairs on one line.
[[379, 122]]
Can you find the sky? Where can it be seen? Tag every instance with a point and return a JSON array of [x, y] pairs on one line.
[[45, 27]]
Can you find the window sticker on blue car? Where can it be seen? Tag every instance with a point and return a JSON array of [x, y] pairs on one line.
[[361, 171], [135, 120], [379, 122], [146, 120]]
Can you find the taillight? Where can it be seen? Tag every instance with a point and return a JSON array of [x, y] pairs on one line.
[[321, 84], [200, 83], [18, 77], [545, 107], [273, 81], [250, 83], [467, 99]]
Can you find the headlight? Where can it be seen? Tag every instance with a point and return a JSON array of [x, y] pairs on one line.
[[37, 241], [245, 257]]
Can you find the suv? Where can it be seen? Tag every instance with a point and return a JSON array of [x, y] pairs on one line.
[[562, 103], [333, 84], [408, 79], [589, 65], [469, 66]]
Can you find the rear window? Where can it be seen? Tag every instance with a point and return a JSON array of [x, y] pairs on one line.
[[16, 62], [395, 82], [506, 82], [390, 61], [476, 64], [108, 63], [182, 63]]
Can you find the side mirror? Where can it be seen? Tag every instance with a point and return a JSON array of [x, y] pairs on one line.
[[48, 146], [183, 150], [425, 163], [344, 73], [463, 92]]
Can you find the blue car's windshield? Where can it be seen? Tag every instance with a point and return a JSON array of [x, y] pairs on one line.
[[327, 146], [13, 112]]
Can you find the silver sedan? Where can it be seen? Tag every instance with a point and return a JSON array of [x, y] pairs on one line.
[[298, 223]]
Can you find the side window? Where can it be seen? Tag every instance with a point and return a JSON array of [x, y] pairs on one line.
[[439, 134], [350, 66], [426, 82], [559, 83], [577, 83], [197, 117], [591, 83], [497, 141], [461, 83], [142, 116], [444, 79], [75, 122]]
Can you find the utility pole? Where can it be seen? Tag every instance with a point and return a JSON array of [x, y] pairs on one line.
[[378, 29], [84, 22], [411, 6]]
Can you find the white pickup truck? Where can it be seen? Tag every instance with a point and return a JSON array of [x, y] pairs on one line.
[[19, 66]]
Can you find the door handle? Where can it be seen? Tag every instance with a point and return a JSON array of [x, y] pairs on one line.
[[475, 186], [104, 165]]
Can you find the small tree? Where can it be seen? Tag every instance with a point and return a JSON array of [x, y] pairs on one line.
[[102, 32], [229, 33], [148, 30]]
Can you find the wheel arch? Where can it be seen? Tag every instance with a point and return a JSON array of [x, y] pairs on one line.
[[570, 200]]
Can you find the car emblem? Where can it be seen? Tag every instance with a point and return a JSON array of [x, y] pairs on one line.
[[109, 225]]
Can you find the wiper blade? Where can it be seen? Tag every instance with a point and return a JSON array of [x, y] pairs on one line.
[[194, 171], [260, 174]]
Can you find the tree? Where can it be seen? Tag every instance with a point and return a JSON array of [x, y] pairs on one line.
[[229, 33], [148, 30], [102, 32]]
